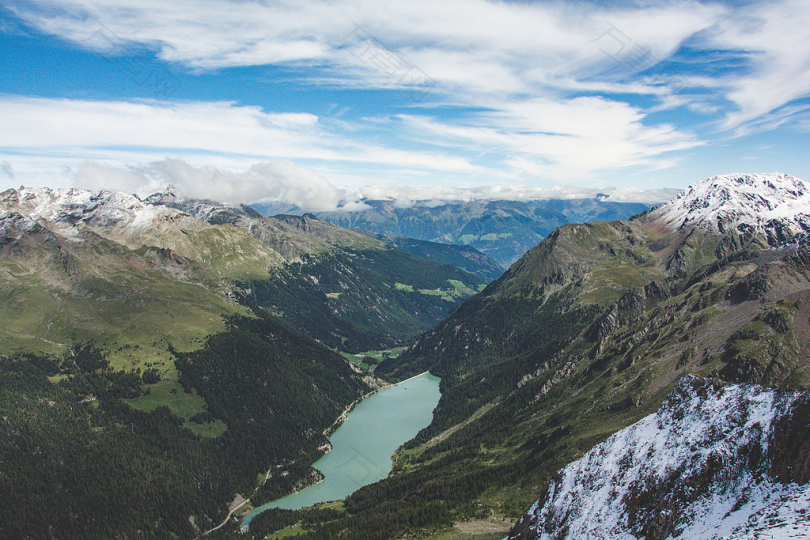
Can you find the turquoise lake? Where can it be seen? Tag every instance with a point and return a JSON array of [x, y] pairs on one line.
[[364, 444]]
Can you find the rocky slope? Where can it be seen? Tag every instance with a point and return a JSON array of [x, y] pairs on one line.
[[715, 461], [591, 330], [357, 293]]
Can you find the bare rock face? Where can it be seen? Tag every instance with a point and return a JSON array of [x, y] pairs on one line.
[[714, 462]]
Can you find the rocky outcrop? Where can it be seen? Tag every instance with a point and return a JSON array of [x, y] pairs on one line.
[[740, 206], [710, 461]]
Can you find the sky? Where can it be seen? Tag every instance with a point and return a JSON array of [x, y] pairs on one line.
[[323, 103]]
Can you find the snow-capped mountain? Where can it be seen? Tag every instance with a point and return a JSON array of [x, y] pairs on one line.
[[774, 204], [117, 216], [715, 462]]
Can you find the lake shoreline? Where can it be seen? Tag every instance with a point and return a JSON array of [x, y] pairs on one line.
[[417, 416]]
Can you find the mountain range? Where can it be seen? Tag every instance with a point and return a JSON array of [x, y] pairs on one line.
[[502, 230], [176, 342], [590, 332], [635, 377], [115, 249]]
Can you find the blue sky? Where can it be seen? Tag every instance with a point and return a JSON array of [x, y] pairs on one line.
[[322, 103]]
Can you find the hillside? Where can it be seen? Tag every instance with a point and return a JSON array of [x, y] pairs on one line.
[[714, 462], [145, 382], [467, 258], [502, 230], [339, 287], [588, 333]]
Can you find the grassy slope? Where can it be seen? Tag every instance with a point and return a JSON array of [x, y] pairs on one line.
[[503, 230], [141, 309], [583, 337], [100, 292]]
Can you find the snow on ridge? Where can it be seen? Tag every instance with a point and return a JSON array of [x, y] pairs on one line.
[[733, 201], [650, 472], [114, 214]]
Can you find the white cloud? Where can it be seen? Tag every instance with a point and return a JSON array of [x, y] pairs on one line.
[[278, 181], [774, 41], [530, 71], [305, 189], [6, 168], [533, 140], [472, 48], [563, 140], [104, 131]]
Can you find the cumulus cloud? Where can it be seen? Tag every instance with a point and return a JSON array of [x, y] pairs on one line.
[[5, 166], [306, 190], [267, 181], [406, 196]]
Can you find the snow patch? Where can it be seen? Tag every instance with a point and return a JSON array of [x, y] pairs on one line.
[[688, 466], [722, 204]]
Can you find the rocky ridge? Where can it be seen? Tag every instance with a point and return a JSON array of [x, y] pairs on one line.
[[711, 463], [774, 204], [591, 330]]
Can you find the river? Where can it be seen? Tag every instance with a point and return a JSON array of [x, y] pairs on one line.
[[363, 445]]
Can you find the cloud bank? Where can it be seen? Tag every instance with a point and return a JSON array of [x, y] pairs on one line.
[[306, 190], [276, 181]]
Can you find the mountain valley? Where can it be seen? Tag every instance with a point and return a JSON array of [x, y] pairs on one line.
[[502, 230], [590, 332], [170, 336]]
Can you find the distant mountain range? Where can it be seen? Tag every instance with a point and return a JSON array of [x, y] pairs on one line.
[[502, 230], [465, 257]]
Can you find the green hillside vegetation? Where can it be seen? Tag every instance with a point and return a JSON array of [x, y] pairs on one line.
[[81, 463], [582, 337], [502, 230], [356, 306], [55, 293], [338, 286], [465, 257]]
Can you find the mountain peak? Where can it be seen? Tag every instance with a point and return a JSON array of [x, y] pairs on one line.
[[169, 195], [776, 204]]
